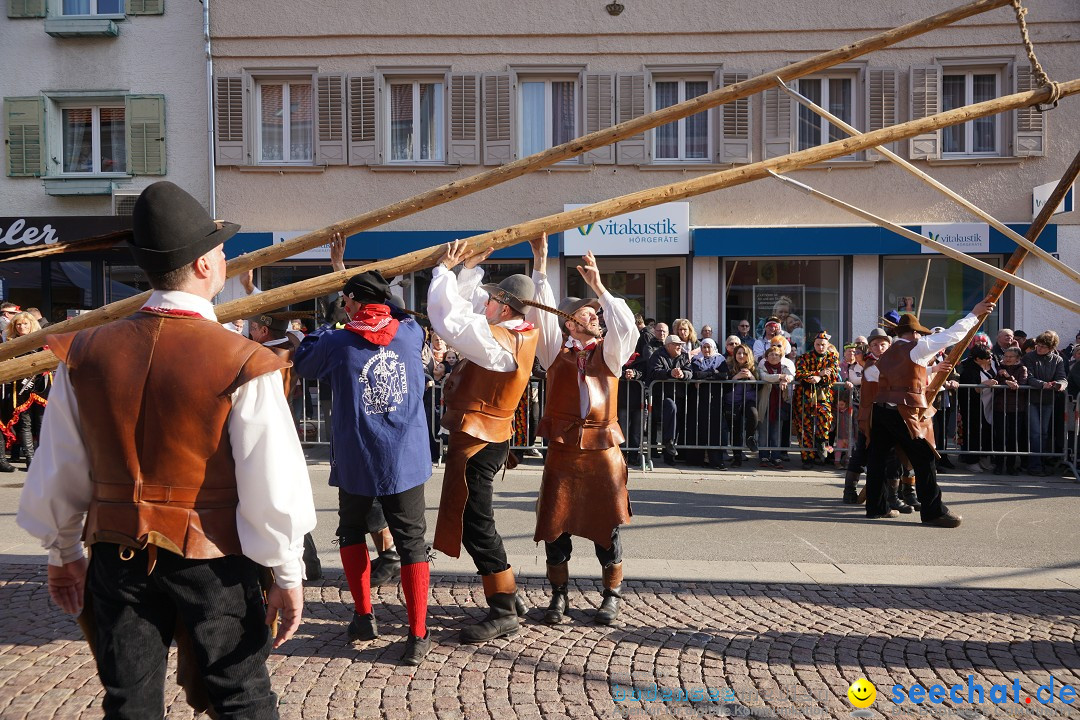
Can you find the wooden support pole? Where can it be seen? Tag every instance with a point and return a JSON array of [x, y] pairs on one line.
[[1001, 227], [490, 178], [1015, 260], [922, 293], [957, 255], [426, 258]]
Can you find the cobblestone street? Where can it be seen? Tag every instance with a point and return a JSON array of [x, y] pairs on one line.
[[770, 650]]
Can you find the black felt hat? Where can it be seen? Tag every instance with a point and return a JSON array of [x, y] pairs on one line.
[[367, 287], [511, 291], [172, 229]]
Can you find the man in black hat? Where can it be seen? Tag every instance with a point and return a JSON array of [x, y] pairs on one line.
[[486, 325], [583, 491], [901, 416], [379, 444], [188, 477]]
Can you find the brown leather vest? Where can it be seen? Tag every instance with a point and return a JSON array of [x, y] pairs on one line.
[[562, 421], [154, 398], [481, 402], [902, 381]]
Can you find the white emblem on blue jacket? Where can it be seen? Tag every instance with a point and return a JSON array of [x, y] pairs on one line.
[[384, 382]]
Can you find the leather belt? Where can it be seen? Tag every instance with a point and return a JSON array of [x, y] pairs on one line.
[[142, 492]]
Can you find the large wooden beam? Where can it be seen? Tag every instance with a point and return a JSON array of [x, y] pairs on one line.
[[421, 259], [460, 188]]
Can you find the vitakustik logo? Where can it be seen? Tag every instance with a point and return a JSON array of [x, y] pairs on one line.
[[663, 227], [955, 238]]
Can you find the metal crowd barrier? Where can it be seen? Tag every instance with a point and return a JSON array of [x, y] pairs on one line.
[[975, 424]]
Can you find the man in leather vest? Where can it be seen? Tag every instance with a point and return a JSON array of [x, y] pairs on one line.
[[173, 437], [379, 445], [583, 491], [902, 417], [271, 331], [486, 325]]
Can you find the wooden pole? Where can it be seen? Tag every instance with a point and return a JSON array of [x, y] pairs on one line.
[[922, 293], [957, 255], [466, 186], [1001, 227], [421, 259], [1015, 260]]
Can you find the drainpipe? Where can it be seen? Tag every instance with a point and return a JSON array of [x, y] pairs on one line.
[[209, 108]]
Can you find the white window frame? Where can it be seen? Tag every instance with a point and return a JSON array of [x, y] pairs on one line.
[[57, 131], [286, 147], [968, 71], [710, 150], [858, 112], [438, 121], [548, 127]]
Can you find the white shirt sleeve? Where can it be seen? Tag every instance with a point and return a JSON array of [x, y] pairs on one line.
[[622, 332], [57, 493], [463, 328], [930, 345], [469, 280], [548, 324], [276, 507]]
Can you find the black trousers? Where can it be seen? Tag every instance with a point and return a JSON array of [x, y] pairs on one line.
[[219, 601], [479, 536], [888, 431], [402, 512], [559, 551]]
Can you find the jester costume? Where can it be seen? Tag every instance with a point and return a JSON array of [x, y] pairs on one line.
[[813, 403], [23, 407]]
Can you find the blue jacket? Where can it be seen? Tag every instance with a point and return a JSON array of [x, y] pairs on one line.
[[380, 434]]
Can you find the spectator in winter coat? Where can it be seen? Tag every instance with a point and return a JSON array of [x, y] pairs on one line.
[[1046, 401]]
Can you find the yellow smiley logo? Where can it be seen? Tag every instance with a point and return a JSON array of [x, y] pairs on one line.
[[862, 693]]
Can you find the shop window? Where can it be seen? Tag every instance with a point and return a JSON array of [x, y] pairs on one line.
[[951, 289], [123, 281], [805, 294]]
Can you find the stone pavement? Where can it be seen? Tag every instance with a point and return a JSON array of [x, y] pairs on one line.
[[770, 650]]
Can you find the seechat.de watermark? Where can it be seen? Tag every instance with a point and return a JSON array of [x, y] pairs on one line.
[[1005, 696]]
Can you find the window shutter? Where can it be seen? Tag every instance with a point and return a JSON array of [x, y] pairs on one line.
[[24, 126], [26, 8], [777, 122], [498, 108], [464, 119], [1029, 125], [330, 117], [925, 96], [881, 93], [229, 120], [145, 7], [363, 149], [145, 125], [600, 114], [630, 104], [735, 123]]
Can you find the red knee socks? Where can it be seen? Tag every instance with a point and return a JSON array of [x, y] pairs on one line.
[[357, 565], [414, 582]]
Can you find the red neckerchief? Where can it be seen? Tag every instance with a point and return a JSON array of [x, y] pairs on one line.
[[374, 323], [175, 312], [523, 326], [583, 352]]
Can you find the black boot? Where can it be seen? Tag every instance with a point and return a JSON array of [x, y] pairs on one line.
[[851, 483], [609, 606], [26, 436], [502, 618], [894, 501], [907, 492], [558, 575], [312, 564], [5, 466], [363, 627], [416, 649], [386, 567]]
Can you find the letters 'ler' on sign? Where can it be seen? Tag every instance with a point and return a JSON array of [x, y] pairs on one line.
[[659, 230], [1041, 194]]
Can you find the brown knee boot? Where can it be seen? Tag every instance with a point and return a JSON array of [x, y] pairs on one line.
[[502, 619], [558, 576], [609, 607]]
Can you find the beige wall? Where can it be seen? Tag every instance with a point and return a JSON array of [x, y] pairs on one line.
[[487, 36]]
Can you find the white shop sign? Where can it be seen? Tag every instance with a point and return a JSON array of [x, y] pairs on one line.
[[965, 237], [319, 253], [659, 230], [1041, 194]]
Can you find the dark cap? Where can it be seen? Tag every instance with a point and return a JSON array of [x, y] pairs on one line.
[[511, 291], [367, 287], [876, 333], [170, 229], [272, 322], [571, 305]]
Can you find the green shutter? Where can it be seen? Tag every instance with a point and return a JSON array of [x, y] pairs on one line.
[[145, 7], [145, 121], [26, 8], [24, 127]]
